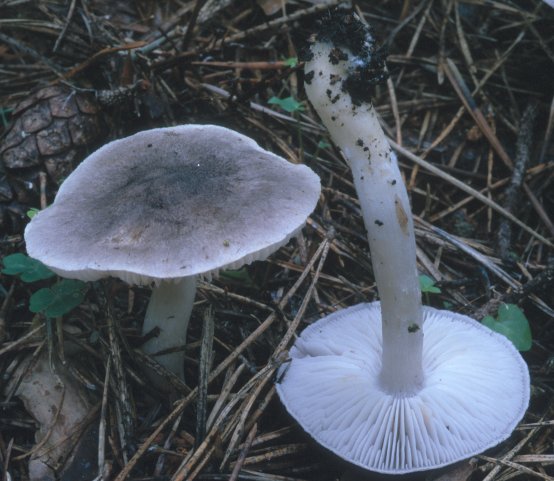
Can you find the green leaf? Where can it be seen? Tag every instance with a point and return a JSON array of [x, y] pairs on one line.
[[288, 104], [291, 62], [240, 276], [32, 212], [426, 284], [59, 299], [27, 268], [323, 145], [511, 322]]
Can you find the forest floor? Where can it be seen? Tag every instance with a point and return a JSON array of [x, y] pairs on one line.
[[470, 104]]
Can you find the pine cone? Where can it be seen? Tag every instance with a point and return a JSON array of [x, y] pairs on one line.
[[51, 128], [50, 131]]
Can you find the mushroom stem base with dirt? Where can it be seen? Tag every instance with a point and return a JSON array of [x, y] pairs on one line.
[[169, 311]]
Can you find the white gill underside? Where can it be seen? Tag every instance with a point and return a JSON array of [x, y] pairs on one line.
[[475, 391]]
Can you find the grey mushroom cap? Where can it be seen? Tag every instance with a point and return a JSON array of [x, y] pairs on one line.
[[170, 203], [476, 390]]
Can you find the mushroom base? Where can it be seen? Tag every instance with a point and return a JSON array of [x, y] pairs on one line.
[[475, 391]]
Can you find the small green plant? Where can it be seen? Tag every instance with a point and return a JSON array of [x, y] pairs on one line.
[[291, 62], [32, 212], [511, 322], [59, 299], [53, 301], [240, 276], [28, 269], [288, 104], [427, 286]]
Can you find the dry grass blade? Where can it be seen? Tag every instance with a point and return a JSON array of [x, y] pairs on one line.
[[206, 356], [98, 56], [243, 453], [522, 158], [468, 101], [3, 310], [518, 467], [483, 260], [516, 449], [321, 253], [66, 26], [251, 475], [102, 425], [224, 395], [245, 410], [261, 108], [31, 52], [177, 410], [548, 131], [199, 456], [476, 194], [22, 341], [275, 453], [242, 299], [534, 458], [120, 386]]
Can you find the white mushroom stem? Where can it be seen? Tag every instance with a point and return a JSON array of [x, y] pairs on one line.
[[169, 310], [386, 211]]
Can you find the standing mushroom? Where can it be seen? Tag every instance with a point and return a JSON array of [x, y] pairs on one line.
[[393, 386], [166, 205]]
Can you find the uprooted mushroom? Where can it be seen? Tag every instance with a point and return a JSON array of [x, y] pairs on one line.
[[391, 386]]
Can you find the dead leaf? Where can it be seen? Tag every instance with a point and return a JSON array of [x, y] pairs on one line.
[[60, 406]]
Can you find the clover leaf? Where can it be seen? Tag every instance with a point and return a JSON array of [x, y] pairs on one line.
[[511, 322], [27, 268], [59, 299], [426, 284]]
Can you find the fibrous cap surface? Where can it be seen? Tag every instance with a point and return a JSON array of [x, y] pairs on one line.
[[172, 202], [476, 390]]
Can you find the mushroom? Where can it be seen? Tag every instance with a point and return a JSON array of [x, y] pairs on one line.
[[166, 205], [391, 386]]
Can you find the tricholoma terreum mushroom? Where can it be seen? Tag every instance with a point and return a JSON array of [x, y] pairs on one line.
[[393, 387], [166, 205]]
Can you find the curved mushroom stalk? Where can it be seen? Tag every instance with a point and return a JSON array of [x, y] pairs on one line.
[[364, 381], [169, 310], [354, 127]]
